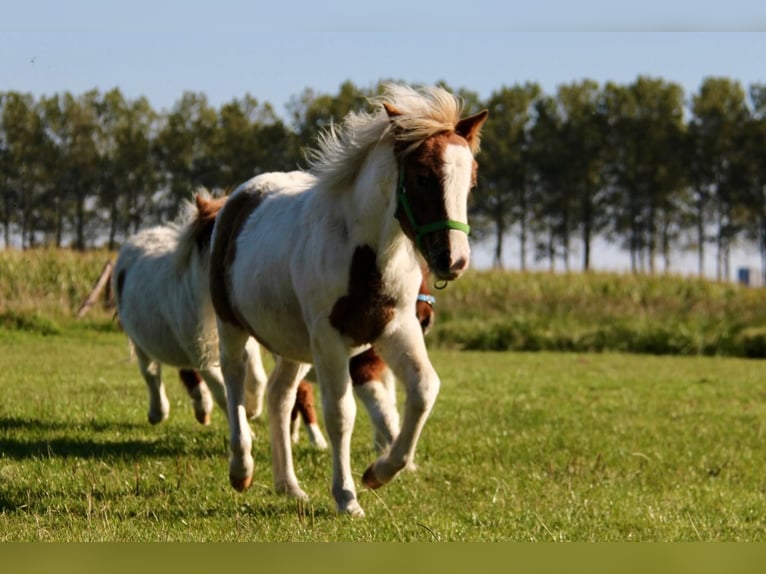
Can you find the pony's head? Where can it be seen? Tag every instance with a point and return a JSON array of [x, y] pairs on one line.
[[435, 153]]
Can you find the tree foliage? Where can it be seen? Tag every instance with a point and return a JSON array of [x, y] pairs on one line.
[[642, 165]]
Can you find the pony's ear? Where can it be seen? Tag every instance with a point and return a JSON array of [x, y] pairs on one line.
[[391, 110], [470, 127]]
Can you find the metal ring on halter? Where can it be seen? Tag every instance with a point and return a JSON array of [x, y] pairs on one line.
[[440, 284]]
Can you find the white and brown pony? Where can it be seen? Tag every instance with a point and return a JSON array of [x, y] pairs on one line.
[[373, 384], [318, 275], [161, 283]]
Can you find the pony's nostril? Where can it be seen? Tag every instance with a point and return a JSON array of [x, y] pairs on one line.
[[459, 264]]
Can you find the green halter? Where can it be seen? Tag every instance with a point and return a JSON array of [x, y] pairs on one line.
[[421, 230]]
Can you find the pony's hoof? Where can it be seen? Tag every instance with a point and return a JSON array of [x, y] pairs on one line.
[[202, 418], [353, 510], [370, 479], [155, 419], [241, 484], [291, 490]]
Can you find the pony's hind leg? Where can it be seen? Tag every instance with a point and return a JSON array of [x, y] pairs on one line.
[[255, 383], [199, 394], [159, 407], [280, 397], [305, 410], [405, 353]]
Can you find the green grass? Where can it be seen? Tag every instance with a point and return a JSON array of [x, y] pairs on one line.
[[521, 446]]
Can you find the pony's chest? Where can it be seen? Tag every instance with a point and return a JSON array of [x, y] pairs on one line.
[[367, 307]]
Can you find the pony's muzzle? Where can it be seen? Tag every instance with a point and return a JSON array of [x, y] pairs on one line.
[[450, 262]]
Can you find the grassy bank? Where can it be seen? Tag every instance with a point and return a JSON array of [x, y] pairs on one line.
[[485, 310]]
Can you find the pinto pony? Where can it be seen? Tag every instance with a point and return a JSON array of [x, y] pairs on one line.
[[318, 275], [373, 384], [161, 283]]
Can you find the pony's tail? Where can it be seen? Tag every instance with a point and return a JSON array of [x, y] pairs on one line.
[[197, 226]]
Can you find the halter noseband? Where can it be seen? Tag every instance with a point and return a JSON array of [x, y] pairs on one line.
[[421, 230]]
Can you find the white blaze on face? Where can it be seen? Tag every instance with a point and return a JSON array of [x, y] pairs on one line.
[[457, 169]]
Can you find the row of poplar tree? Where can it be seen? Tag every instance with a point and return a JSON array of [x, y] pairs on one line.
[[643, 165]]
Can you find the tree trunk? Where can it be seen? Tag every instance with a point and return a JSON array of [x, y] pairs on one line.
[[59, 221], [497, 262], [7, 220], [523, 244], [700, 237], [80, 223]]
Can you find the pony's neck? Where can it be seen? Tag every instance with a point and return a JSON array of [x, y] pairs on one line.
[[373, 207]]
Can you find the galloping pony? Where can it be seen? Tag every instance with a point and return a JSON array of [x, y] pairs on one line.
[[373, 384], [318, 275]]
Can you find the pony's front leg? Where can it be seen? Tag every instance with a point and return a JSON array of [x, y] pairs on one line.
[[232, 341], [213, 376], [199, 394], [405, 352], [280, 396], [339, 408]]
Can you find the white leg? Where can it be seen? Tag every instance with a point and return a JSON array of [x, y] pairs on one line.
[[316, 437], [214, 379], [305, 409], [405, 353], [232, 342], [280, 397], [339, 408], [295, 430], [255, 386], [379, 398], [159, 407]]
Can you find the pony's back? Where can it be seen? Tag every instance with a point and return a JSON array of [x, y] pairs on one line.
[[160, 282]]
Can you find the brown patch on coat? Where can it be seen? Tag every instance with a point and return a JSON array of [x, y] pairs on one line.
[[366, 309], [203, 223], [190, 379], [230, 221], [369, 366], [366, 367], [305, 404]]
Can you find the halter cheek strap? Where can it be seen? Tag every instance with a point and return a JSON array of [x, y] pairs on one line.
[[421, 230]]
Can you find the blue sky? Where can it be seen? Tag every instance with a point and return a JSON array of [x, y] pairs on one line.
[[273, 50]]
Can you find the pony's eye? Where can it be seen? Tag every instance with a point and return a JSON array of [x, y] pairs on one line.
[[422, 180]]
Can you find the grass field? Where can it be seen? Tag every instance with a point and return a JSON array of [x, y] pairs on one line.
[[521, 446]]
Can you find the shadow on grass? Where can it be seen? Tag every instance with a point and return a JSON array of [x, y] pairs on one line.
[[90, 446], [23, 424]]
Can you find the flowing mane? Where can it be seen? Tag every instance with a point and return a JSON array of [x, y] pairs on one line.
[[421, 113]]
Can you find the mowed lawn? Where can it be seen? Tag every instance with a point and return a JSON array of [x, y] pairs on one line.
[[520, 446]]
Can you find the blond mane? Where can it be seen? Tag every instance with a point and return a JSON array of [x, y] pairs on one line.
[[422, 112]]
